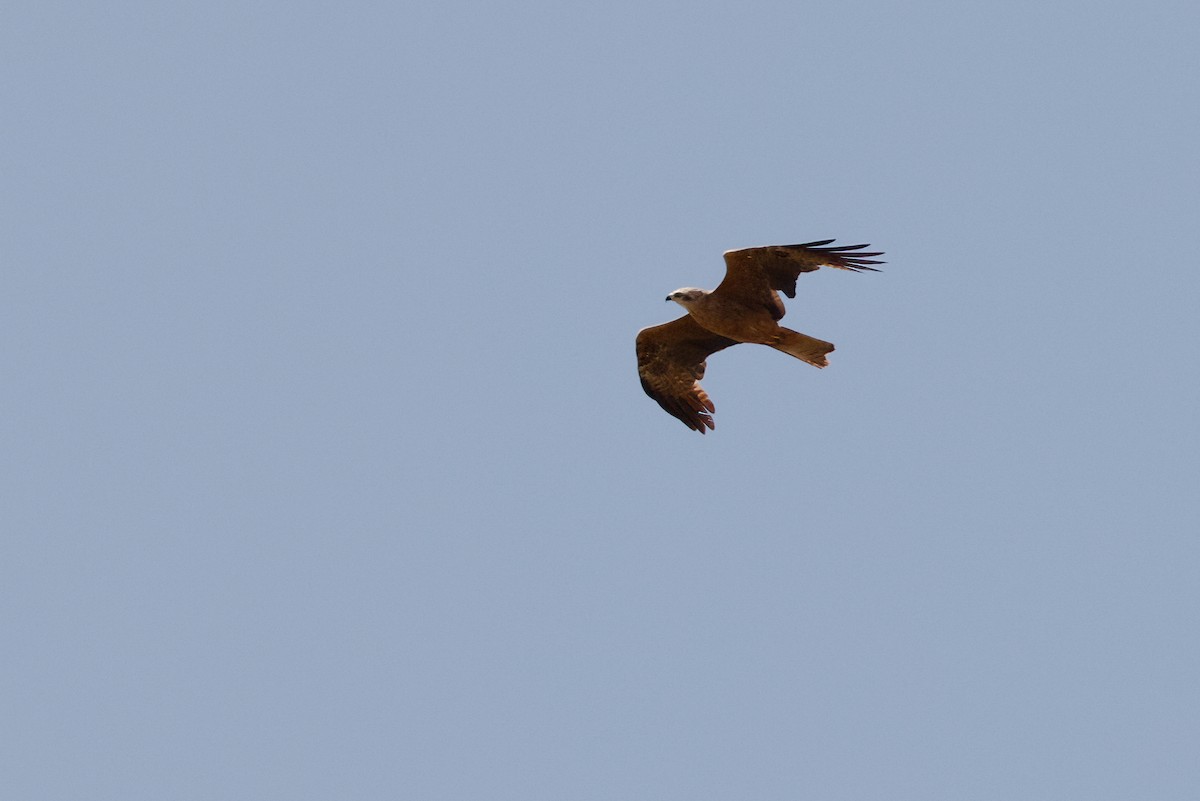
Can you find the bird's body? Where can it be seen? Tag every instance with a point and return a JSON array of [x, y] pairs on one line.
[[745, 307], [750, 323], [729, 317]]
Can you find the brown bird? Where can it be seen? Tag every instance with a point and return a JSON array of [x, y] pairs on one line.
[[745, 307]]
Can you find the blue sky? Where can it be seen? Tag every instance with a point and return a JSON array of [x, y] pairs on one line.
[[328, 473]]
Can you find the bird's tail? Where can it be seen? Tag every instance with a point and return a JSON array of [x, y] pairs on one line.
[[803, 347]]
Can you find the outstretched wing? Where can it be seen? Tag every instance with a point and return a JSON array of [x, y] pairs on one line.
[[752, 274], [671, 359]]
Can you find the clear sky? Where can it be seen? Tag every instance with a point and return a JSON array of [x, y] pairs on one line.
[[327, 474]]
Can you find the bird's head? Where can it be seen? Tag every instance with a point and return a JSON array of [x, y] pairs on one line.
[[687, 295]]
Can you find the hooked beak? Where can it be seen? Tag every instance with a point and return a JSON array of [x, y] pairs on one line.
[[668, 297]]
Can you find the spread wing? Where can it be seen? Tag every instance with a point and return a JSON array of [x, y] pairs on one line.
[[753, 274], [671, 359]]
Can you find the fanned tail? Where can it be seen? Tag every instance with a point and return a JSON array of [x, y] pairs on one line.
[[803, 347]]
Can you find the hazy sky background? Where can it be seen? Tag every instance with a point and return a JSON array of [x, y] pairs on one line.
[[326, 470]]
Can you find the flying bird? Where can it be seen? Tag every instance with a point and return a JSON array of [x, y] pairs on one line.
[[745, 307]]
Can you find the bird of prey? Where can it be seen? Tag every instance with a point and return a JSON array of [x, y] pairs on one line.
[[745, 307]]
